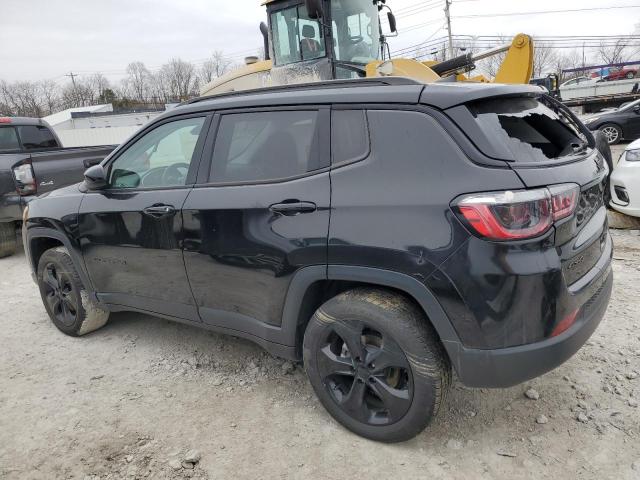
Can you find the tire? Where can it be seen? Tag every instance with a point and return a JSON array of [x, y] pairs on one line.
[[65, 297], [612, 132], [630, 75], [8, 240], [396, 382]]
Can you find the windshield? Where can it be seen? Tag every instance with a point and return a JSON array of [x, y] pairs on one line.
[[356, 30], [629, 106]]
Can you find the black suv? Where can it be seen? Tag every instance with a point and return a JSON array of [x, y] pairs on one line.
[[380, 231]]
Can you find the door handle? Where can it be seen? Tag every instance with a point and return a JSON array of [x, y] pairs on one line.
[[290, 208], [159, 211]]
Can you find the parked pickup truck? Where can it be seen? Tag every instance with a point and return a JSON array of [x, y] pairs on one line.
[[32, 162]]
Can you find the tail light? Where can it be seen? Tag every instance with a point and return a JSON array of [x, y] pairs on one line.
[[25, 179], [564, 324], [517, 215]]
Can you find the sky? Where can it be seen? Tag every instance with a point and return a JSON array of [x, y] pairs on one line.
[[47, 39]]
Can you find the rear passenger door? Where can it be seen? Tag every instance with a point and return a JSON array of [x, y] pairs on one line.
[[259, 213]]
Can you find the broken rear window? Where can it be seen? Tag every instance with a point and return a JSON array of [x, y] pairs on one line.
[[528, 128]]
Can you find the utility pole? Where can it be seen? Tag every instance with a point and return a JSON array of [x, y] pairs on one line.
[[73, 78], [75, 89], [447, 5]]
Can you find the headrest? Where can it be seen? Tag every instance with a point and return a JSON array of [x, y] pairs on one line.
[[308, 31]]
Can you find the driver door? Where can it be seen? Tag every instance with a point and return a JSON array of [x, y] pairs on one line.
[[131, 232]]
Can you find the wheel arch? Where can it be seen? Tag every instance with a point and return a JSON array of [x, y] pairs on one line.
[[39, 240], [312, 286]]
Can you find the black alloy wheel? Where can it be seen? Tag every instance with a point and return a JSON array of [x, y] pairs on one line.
[[376, 363], [366, 373], [59, 294], [64, 296]]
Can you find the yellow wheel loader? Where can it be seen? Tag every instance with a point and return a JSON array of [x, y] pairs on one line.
[[318, 40]]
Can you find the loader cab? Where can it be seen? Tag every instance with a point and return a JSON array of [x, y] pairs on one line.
[[315, 40]]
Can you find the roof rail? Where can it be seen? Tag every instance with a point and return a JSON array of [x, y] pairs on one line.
[[357, 82]]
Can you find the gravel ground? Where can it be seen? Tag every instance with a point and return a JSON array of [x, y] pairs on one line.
[[135, 399]]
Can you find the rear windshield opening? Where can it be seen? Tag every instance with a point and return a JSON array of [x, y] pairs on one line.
[[529, 129]]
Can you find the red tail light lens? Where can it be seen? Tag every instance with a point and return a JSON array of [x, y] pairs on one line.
[[25, 179], [564, 199], [517, 215], [564, 324]]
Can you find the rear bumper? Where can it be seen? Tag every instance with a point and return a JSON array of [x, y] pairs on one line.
[[505, 367]]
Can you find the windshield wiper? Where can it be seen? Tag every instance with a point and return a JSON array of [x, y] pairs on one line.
[[356, 67]]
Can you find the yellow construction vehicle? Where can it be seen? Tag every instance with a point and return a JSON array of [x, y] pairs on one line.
[[317, 40]]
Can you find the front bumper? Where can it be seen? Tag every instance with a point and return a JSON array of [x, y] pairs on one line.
[[626, 176], [505, 367]]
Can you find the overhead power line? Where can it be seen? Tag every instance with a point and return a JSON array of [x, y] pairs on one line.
[[544, 12]]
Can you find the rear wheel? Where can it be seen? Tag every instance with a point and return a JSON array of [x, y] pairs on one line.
[[612, 132], [65, 297], [376, 364], [630, 75], [8, 240]]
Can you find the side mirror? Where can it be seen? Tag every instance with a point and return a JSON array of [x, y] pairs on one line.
[[314, 8], [95, 178], [392, 22], [636, 109]]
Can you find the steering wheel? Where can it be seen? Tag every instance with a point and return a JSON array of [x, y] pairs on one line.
[[175, 174]]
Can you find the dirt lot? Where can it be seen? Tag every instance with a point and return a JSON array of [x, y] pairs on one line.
[[130, 400]]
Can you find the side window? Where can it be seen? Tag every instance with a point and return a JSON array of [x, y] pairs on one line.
[[36, 137], [161, 158], [349, 136], [8, 139], [264, 146]]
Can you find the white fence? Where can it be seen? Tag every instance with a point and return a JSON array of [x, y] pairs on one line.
[[87, 137]]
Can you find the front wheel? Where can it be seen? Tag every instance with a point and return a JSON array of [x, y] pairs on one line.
[[612, 132], [65, 297], [376, 364], [630, 75]]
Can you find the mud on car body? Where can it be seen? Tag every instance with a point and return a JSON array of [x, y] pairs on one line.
[[381, 231]]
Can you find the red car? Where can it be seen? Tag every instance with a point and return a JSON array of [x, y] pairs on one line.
[[621, 74]]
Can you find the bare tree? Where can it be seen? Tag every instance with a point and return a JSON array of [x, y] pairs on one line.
[[22, 98], [491, 65], [176, 80], [179, 76], [570, 60], [50, 93], [138, 80], [214, 67], [616, 53], [97, 84], [77, 94], [544, 59], [158, 88]]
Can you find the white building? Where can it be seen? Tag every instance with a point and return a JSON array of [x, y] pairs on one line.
[[97, 125]]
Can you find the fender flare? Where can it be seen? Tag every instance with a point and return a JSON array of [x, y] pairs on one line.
[[385, 278], [35, 233]]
